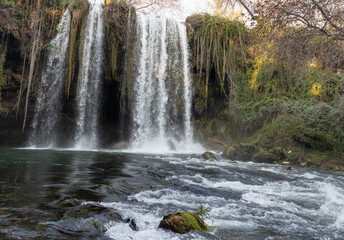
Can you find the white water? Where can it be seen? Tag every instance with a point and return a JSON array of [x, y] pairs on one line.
[[50, 97], [161, 99], [244, 199], [89, 90]]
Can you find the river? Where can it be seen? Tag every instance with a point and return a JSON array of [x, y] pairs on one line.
[[43, 194]]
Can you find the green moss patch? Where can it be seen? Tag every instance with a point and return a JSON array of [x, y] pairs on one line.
[[184, 222]]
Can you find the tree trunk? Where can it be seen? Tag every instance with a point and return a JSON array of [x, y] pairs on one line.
[[34, 51]]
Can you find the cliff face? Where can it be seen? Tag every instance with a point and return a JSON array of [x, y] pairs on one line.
[[16, 37], [17, 27]]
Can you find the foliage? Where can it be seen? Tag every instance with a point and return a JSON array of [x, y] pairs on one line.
[[323, 16], [8, 3], [219, 46], [284, 87]]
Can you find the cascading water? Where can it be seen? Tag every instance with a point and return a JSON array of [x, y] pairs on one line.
[[90, 78], [49, 101], [161, 99]]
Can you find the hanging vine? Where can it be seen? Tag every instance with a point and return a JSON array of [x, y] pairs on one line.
[[220, 47]]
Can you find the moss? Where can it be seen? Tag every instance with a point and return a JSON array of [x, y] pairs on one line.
[[242, 152], [184, 222], [209, 155], [270, 156], [215, 133]]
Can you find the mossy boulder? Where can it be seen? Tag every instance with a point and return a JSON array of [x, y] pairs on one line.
[[242, 152], [183, 222], [271, 156], [209, 155]]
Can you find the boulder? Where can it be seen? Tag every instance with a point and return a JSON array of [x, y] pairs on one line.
[[209, 155], [264, 157], [183, 222], [89, 218], [242, 152], [132, 224]]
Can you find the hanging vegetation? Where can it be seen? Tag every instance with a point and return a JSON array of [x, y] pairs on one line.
[[220, 48], [119, 18], [78, 10]]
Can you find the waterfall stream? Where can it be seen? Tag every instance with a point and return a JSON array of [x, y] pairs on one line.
[[161, 99], [49, 101], [90, 78]]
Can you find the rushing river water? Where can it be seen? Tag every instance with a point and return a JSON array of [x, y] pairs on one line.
[[61, 194]]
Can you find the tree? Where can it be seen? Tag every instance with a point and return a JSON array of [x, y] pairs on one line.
[[324, 16], [144, 4]]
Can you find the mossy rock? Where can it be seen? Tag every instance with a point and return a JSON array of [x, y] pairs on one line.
[[242, 152], [264, 157], [209, 155], [183, 222], [270, 156]]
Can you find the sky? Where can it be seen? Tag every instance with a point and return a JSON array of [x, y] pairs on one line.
[[192, 6]]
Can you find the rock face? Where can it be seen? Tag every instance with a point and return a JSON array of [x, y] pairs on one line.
[[247, 152], [183, 222], [209, 155], [242, 152]]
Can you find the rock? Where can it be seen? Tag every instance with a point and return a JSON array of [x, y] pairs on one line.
[[264, 157], [87, 218], [68, 202], [156, 187], [271, 156], [183, 222], [209, 155], [242, 152], [132, 224], [105, 189], [288, 168], [86, 211]]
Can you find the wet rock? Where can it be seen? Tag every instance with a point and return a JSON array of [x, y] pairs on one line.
[[105, 189], [88, 210], [69, 202], [132, 224], [87, 218], [209, 155], [288, 168], [183, 222], [242, 152], [156, 187], [274, 155], [264, 157]]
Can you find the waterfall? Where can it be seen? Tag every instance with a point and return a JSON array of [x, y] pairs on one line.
[[161, 99], [90, 78], [50, 97]]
